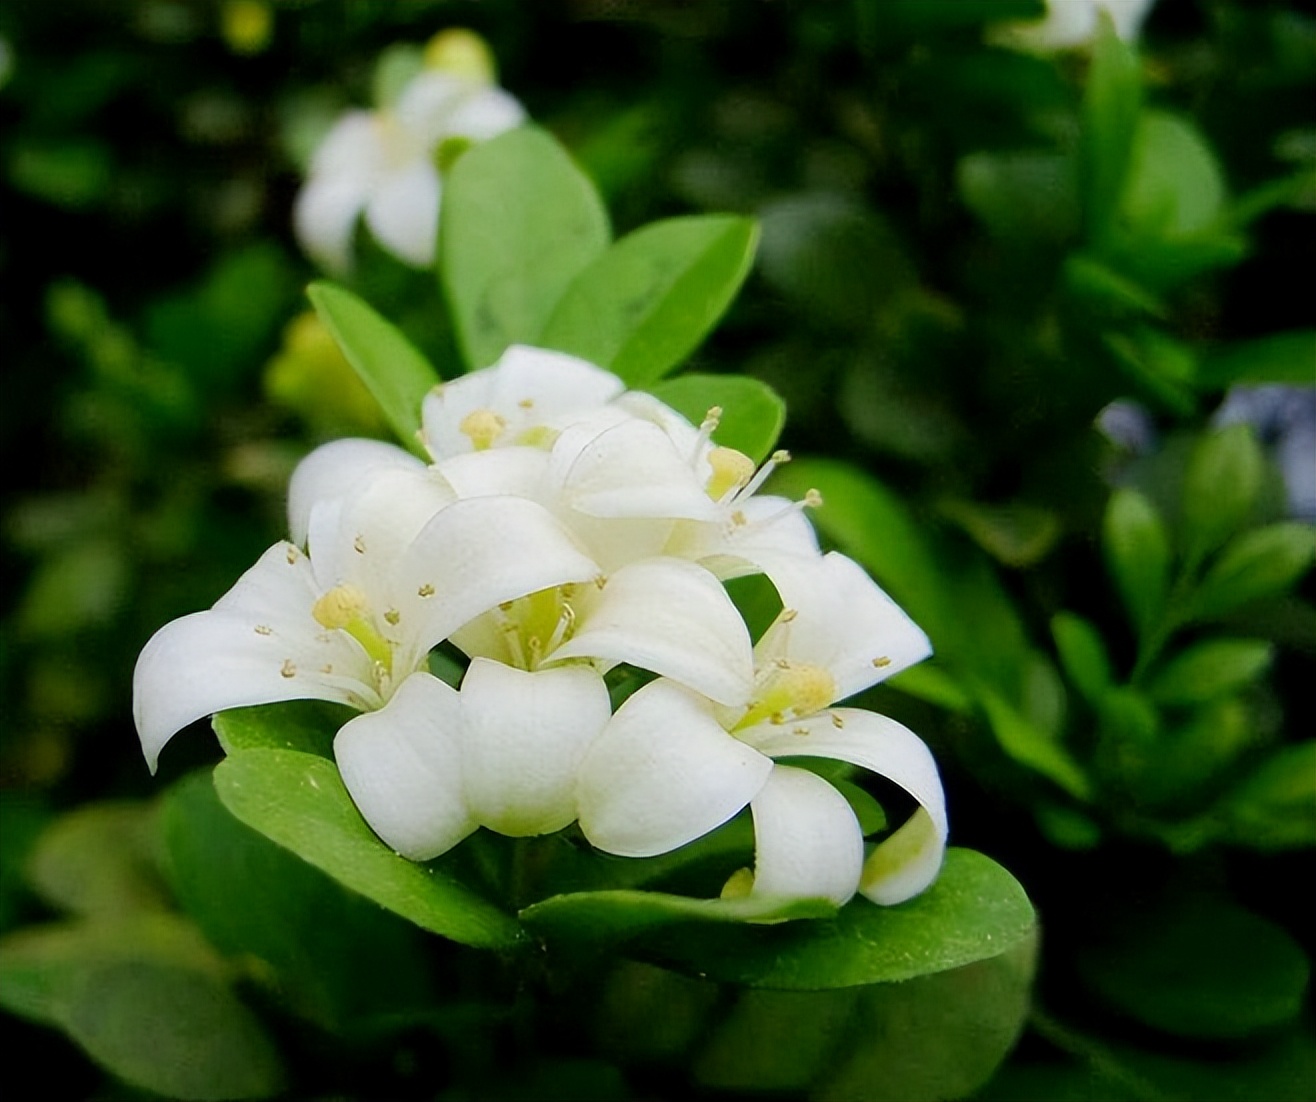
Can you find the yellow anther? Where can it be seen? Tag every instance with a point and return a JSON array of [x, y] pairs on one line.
[[837, 721], [881, 663], [340, 607], [526, 403], [264, 629], [288, 669], [293, 555], [790, 691], [813, 499], [731, 470], [780, 456], [425, 590], [482, 427], [359, 545], [712, 419], [393, 616]]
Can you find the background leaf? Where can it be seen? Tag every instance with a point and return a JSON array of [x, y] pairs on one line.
[[645, 304], [752, 413], [519, 223]]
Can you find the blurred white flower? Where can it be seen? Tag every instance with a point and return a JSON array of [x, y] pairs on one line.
[[385, 163], [1071, 23]]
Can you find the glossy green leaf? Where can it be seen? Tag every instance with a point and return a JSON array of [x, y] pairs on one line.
[[96, 861], [604, 917], [643, 306], [393, 370], [1220, 489], [752, 413], [1137, 552], [1174, 188], [1028, 745], [1209, 669], [519, 222], [1083, 654], [298, 801], [1254, 566], [974, 910], [1197, 967], [331, 955], [1279, 358], [1112, 106], [1102, 288], [1274, 807], [308, 726], [1163, 369], [1015, 534]]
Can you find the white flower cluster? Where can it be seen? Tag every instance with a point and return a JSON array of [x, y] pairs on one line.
[[564, 528]]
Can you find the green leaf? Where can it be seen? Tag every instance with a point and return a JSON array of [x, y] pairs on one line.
[[1253, 566], [608, 917], [1197, 967], [308, 726], [1021, 197], [1277, 358], [1137, 552], [645, 304], [298, 801], [1275, 806], [177, 1032], [1029, 746], [752, 413], [519, 223], [1220, 488], [148, 999], [1209, 669], [1107, 290], [1015, 534], [974, 910], [396, 374], [1163, 368], [97, 861], [333, 956], [1175, 188], [1112, 105], [1083, 654]]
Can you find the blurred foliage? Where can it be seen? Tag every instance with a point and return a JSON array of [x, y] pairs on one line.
[[1004, 296]]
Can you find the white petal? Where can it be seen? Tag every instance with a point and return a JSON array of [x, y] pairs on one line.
[[324, 217], [338, 470], [630, 469], [891, 750], [524, 737], [402, 767], [844, 623], [515, 471], [763, 534], [663, 773], [485, 114], [673, 618], [380, 522], [403, 212], [257, 645], [527, 388], [473, 556], [353, 151], [426, 104], [807, 841]]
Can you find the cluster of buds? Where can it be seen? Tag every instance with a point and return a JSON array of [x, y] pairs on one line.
[[565, 533]]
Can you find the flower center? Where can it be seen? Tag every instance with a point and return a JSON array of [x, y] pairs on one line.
[[537, 624], [731, 471], [789, 690], [346, 608]]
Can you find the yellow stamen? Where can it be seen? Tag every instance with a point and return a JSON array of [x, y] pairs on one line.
[[789, 691], [731, 470], [346, 608], [482, 427]]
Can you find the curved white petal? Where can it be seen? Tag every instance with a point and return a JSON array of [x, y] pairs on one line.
[[684, 436], [353, 151], [403, 212], [485, 113], [259, 644], [762, 535], [339, 469], [674, 618], [524, 737], [663, 773], [629, 469], [891, 750], [402, 767], [527, 388], [843, 622], [426, 104], [475, 555], [518, 471], [807, 841], [324, 217]]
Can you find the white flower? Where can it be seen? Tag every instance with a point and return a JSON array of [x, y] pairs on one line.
[[435, 764], [391, 568], [1071, 23], [384, 163], [672, 765]]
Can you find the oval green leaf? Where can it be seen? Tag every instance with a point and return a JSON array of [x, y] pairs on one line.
[[1254, 566], [1207, 670], [1137, 553], [752, 413], [298, 800], [395, 373], [644, 305], [519, 223]]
